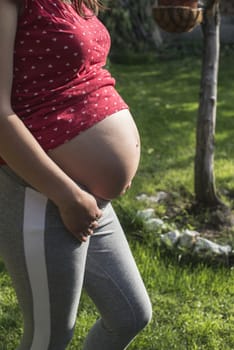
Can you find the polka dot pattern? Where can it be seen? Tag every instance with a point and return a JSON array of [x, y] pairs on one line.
[[60, 87]]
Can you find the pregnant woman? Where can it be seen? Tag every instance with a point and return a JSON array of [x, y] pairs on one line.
[[68, 146]]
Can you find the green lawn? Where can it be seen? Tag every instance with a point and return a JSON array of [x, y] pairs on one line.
[[192, 302]]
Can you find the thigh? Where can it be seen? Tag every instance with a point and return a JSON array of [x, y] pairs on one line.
[[65, 264], [112, 278], [46, 264]]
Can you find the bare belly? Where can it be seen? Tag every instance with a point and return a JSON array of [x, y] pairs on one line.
[[103, 158]]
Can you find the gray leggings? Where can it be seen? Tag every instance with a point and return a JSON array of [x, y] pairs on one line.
[[49, 267]]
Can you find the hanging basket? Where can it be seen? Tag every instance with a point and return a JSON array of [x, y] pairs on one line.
[[184, 3], [177, 16]]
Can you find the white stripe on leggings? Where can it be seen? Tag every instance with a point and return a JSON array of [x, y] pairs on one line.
[[33, 230]]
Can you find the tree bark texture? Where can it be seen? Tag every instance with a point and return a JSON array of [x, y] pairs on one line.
[[205, 190]]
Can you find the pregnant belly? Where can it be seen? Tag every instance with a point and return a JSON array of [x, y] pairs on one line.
[[103, 158]]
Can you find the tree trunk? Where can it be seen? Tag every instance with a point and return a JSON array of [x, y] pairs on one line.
[[205, 190]]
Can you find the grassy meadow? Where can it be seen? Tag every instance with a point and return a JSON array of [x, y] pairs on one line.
[[193, 302]]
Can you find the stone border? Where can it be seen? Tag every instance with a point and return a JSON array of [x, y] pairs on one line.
[[184, 242]]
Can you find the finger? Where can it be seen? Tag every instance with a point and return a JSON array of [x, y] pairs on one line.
[[98, 215], [81, 238], [86, 233], [89, 232], [93, 224]]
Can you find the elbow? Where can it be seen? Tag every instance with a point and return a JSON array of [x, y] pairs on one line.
[[6, 110], [5, 105]]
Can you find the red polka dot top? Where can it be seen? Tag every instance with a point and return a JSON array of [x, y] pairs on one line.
[[60, 87]]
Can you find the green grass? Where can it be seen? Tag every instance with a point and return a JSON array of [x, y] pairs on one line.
[[164, 100], [192, 302]]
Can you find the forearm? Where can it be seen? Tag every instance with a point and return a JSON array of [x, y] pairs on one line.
[[24, 155]]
